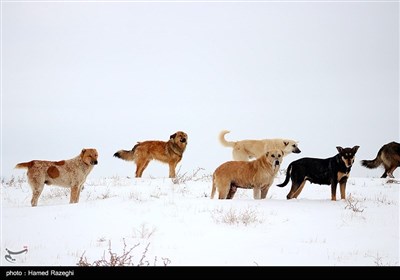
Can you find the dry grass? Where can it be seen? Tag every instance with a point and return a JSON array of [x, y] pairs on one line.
[[14, 182], [123, 259], [237, 217], [352, 203], [194, 176], [144, 232]]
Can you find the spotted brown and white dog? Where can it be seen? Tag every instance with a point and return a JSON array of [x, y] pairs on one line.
[[70, 173]]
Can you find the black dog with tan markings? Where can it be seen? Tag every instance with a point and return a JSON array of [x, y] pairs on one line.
[[329, 171]]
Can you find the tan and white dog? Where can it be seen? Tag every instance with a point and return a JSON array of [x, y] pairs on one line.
[[258, 175], [251, 149], [70, 173]]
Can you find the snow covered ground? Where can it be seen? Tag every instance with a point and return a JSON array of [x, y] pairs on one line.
[[159, 222]]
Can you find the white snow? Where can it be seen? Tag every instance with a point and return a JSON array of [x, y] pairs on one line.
[[179, 225]]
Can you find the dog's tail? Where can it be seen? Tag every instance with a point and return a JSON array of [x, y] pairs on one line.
[[223, 141], [127, 155], [23, 165], [375, 162], [288, 171]]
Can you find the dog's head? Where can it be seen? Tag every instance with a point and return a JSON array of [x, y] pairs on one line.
[[179, 138], [274, 157], [89, 156], [291, 147], [347, 155]]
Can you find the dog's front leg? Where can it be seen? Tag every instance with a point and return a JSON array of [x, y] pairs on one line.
[[172, 167], [333, 189], [264, 191], [256, 193], [74, 194], [343, 183]]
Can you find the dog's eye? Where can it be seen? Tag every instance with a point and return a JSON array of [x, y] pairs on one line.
[[279, 155], [273, 155]]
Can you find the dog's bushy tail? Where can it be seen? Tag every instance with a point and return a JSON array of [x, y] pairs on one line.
[[374, 163], [223, 141], [23, 165], [127, 155], [288, 171]]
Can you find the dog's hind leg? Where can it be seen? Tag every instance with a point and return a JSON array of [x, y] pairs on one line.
[[391, 170], [299, 189], [239, 155], [292, 190], [37, 189], [141, 165], [213, 190], [295, 189], [232, 191], [223, 191]]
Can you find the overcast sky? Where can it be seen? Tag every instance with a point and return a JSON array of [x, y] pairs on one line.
[[106, 75]]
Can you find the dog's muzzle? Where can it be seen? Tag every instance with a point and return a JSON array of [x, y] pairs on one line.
[[183, 140], [296, 151], [93, 162], [277, 163]]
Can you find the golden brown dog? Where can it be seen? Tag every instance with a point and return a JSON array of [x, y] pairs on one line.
[[257, 175], [70, 173], [170, 152], [245, 150]]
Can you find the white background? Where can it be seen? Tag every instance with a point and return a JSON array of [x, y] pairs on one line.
[[105, 75]]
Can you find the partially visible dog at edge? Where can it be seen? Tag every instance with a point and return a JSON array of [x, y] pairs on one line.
[[388, 156], [246, 150], [170, 152], [329, 171], [70, 173], [258, 175]]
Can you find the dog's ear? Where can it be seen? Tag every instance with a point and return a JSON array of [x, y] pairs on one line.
[[172, 136], [355, 148], [82, 153], [340, 149], [286, 143]]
